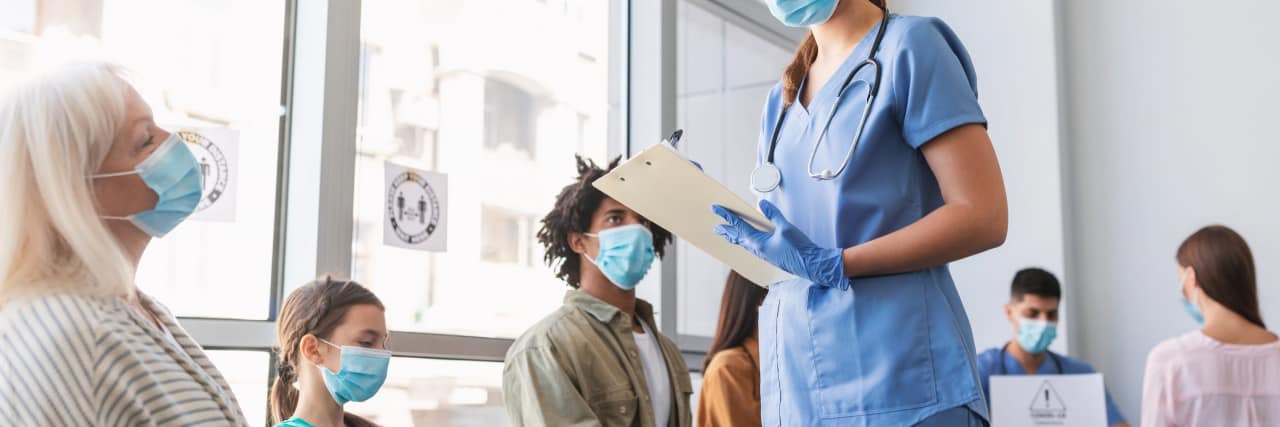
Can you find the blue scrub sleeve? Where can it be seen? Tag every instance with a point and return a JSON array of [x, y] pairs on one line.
[[934, 86]]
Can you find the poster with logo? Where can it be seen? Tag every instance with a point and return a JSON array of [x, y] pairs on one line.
[[1048, 401], [217, 151], [415, 213]]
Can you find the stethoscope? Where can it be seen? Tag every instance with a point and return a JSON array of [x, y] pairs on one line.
[[1005, 371], [766, 177]]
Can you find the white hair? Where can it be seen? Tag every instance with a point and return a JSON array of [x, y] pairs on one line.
[[56, 128]]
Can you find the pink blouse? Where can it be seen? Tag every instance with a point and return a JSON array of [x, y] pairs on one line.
[[1194, 380]]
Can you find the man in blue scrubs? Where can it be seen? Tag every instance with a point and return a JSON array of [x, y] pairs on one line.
[[1033, 311]]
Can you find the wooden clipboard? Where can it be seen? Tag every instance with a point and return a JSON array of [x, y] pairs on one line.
[[668, 190]]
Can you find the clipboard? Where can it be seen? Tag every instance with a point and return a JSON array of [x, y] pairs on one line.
[[665, 188]]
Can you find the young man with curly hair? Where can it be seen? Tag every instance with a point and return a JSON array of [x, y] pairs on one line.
[[598, 360]]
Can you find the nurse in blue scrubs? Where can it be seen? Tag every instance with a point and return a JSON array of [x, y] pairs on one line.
[[875, 169]]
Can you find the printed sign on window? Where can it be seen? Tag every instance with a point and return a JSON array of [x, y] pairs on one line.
[[216, 151], [415, 215]]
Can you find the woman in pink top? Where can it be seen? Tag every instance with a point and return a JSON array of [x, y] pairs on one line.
[[1228, 372]]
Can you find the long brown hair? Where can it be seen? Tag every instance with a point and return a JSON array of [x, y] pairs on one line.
[[1224, 269], [314, 309], [799, 67], [739, 313]]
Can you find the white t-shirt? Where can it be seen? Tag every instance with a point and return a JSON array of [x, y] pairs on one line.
[[655, 374]]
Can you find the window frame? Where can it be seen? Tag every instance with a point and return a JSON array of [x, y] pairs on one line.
[[313, 226]]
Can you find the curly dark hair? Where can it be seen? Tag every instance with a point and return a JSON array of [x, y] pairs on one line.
[[572, 213]]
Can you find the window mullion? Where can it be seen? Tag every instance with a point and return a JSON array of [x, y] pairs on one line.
[[323, 135]]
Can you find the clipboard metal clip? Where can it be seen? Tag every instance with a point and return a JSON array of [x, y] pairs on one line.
[[675, 137]]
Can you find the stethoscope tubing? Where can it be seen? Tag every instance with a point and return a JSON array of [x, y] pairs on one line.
[[1005, 371], [774, 177]]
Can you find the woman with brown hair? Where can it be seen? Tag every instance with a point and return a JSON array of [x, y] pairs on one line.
[[731, 373], [875, 170], [333, 340], [1227, 372]]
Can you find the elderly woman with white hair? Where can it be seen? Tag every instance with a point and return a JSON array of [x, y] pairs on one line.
[[89, 180]]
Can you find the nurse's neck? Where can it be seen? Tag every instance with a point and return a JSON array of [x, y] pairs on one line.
[[1030, 362], [850, 22]]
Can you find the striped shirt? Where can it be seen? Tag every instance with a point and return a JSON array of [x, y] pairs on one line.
[[76, 361]]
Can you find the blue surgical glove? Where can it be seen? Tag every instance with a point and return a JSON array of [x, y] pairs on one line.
[[785, 247]]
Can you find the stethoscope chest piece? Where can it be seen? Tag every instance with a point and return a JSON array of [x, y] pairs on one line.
[[765, 178]]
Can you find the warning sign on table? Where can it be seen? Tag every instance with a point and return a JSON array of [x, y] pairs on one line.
[[1048, 400], [1047, 405]]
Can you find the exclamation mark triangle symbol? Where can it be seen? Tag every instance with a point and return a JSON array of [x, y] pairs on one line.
[[1047, 397]]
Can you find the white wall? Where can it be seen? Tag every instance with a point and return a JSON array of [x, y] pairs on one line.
[[1172, 112], [1012, 44]]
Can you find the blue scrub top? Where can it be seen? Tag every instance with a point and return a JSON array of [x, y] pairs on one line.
[[894, 349], [990, 361]]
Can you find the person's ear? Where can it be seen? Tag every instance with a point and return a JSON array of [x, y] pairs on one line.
[[1190, 286], [578, 243], [1008, 314], [309, 348]]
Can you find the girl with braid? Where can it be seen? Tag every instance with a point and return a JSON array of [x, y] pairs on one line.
[[333, 350]]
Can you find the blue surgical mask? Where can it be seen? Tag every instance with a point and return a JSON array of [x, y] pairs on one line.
[[1193, 310], [1034, 336], [362, 373], [172, 172], [802, 13], [626, 253]]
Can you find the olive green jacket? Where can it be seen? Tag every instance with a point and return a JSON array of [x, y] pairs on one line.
[[580, 367]]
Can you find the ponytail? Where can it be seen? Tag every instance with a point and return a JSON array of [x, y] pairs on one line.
[[284, 400], [799, 67], [794, 74], [284, 397]]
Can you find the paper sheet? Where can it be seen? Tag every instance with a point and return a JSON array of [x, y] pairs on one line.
[[217, 151], [1048, 400], [416, 214], [662, 186]]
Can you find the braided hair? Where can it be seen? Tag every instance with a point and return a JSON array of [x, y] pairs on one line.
[[317, 309]]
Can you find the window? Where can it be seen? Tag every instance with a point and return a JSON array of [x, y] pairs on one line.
[[442, 89], [438, 393], [247, 373], [508, 236], [509, 113], [209, 66]]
